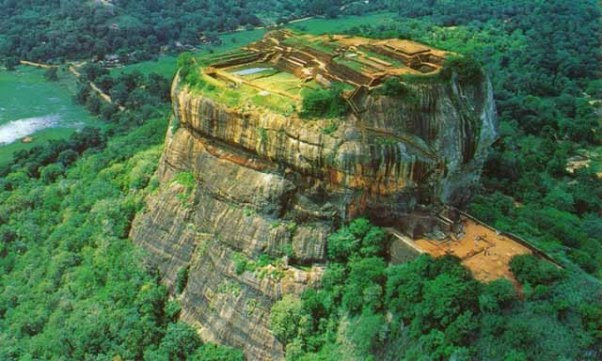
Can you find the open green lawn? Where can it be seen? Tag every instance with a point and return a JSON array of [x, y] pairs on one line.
[[319, 26], [166, 64], [30, 105], [234, 97]]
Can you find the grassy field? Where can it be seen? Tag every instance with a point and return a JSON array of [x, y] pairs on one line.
[[166, 65], [310, 42], [31, 105], [319, 26], [245, 94]]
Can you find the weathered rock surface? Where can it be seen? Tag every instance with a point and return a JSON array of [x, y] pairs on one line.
[[275, 185]]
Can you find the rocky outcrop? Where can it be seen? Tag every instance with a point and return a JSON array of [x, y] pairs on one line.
[[268, 188]]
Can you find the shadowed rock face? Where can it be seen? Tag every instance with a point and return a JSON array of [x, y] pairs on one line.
[[275, 185]]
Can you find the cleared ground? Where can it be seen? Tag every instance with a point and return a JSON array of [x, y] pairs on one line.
[[482, 250]]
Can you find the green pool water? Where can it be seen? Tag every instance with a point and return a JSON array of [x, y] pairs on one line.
[[32, 106]]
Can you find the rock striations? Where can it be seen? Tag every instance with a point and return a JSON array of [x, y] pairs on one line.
[[249, 194]]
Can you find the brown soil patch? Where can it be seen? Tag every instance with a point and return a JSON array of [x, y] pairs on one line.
[[482, 250]]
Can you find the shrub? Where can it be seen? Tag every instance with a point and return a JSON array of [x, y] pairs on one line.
[[465, 67], [51, 172], [213, 352], [285, 318], [497, 295], [185, 62], [240, 262], [93, 104], [51, 74], [528, 269], [330, 128], [181, 279], [393, 87], [324, 103], [194, 78], [185, 179]]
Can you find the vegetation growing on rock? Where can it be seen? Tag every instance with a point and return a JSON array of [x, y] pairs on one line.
[[324, 103], [394, 87], [466, 68], [433, 309]]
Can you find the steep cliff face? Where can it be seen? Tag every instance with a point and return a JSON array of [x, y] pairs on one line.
[[267, 189]]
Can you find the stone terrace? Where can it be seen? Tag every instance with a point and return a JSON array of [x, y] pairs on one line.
[[317, 61]]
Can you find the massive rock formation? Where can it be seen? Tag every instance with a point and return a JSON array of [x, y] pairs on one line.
[[249, 195]]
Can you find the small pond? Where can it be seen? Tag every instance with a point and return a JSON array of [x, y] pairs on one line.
[[250, 71]]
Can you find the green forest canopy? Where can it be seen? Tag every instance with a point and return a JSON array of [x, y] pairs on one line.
[[73, 287]]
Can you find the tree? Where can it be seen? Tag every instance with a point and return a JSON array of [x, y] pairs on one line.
[[158, 86], [327, 103], [105, 82], [67, 157], [93, 104], [51, 172], [342, 244], [119, 93], [181, 279], [107, 110], [179, 342], [82, 94], [11, 63], [138, 98], [465, 67], [285, 317], [213, 352], [497, 295], [91, 71], [367, 333], [364, 286], [51, 74], [185, 62], [529, 269]]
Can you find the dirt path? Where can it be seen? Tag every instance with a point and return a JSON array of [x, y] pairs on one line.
[[106, 97], [73, 70], [242, 28], [37, 65], [301, 20]]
